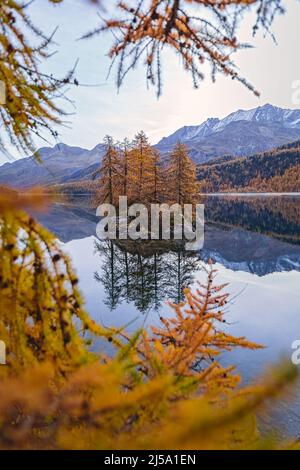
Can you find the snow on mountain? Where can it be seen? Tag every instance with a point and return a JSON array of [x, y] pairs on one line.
[[267, 113], [190, 132], [257, 130]]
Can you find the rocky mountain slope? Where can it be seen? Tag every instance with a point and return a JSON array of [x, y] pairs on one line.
[[58, 165]]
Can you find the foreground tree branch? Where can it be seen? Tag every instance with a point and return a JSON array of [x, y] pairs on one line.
[[199, 31], [30, 109]]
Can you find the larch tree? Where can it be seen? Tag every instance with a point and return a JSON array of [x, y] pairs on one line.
[[142, 177], [110, 174], [125, 165], [157, 183], [183, 187]]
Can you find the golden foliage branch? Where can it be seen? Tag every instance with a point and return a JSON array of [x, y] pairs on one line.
[[199, 31], [91, 410], [190, 342], [29, 109], [41, 310], [58, 395]]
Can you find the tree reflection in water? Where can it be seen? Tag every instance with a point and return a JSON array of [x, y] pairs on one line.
[[145, 273]]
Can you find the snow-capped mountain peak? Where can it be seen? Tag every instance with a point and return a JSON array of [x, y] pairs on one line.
[[241, 133], [190, 132], [262, 114], [265, 113]]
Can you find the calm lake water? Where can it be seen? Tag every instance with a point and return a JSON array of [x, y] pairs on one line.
[[255, 242]]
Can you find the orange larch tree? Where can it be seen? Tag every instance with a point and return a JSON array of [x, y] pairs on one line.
[[182, 185]]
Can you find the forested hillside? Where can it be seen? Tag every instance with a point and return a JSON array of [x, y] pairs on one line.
[[276, 170]]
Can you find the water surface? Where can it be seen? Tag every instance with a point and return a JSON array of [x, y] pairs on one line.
[[255, 243]]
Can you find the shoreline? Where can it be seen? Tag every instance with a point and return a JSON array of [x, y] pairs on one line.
[[251, 194], [92, 193], [201, 194]]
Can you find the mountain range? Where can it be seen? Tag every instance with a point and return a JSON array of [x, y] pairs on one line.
[[240, 134], [59, 164]]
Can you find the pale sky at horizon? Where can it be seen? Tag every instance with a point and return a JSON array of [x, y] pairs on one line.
[[102, 110]]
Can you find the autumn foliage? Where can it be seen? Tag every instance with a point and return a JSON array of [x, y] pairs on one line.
[[40, 302], [137, 170], [190, 342], [56, 394], [274, 171], [199, 31]]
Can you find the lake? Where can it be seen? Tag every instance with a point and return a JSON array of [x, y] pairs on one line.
[[255, 243]]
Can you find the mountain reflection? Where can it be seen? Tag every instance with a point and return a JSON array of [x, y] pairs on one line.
[[145, 273], [257, 234], [278, 217]]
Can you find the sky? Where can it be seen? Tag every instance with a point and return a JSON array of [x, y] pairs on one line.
[[100, 110]]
